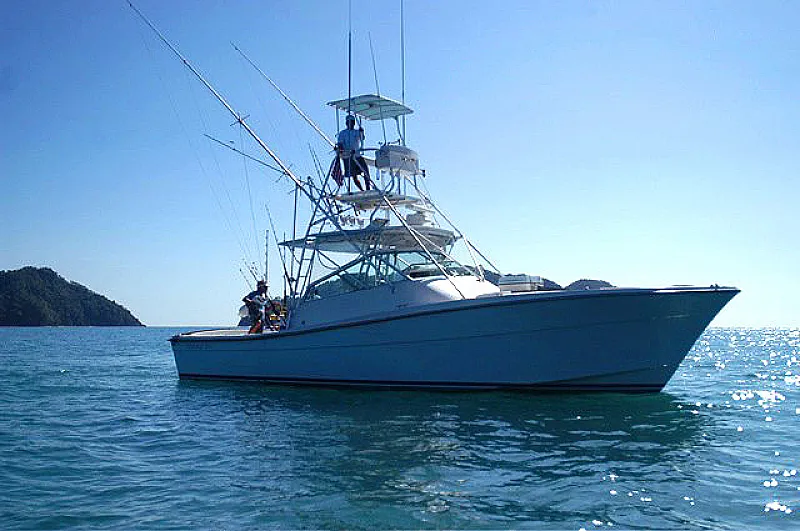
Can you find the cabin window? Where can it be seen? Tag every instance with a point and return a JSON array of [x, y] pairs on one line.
[[360, 275], [383, 268]]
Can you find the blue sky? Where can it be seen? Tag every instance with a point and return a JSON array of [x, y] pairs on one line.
[[644, 143]]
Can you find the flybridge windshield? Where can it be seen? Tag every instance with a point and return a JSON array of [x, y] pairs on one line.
[[383, 268]]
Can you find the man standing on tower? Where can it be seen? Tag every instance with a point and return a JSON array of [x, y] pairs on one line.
[[348, 145]]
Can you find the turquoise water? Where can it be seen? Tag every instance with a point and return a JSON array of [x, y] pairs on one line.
[[97, 432]]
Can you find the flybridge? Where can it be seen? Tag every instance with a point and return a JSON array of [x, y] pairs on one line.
[[393, 157]]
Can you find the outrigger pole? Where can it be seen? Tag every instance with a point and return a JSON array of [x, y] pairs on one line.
[[300, 185], [283, 167], [305, 117], [222, 100]]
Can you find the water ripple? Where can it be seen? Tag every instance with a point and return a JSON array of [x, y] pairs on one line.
[[97, 432]]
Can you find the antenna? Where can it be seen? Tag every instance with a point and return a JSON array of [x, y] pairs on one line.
[[349, 54], [266, 259], [403, 68]]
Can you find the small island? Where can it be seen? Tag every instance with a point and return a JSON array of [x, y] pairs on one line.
[[586, 283], [41, 297]]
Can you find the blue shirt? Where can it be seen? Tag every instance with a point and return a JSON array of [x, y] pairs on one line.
[[350, 140]]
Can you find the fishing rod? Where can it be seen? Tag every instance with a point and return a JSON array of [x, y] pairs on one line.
[[300, 185], [286, 277], [246, 280], [250, 269], [305, 117], [377, 87], [266, 259]]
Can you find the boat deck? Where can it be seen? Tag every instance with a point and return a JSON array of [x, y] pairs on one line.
[[224, 332]]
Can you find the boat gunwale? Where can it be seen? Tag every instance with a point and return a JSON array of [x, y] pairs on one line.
[[455, 306]]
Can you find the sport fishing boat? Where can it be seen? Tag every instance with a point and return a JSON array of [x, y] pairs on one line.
[[385, 291], [393, 307]]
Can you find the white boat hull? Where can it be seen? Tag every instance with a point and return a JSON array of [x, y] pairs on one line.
[[629, 340]]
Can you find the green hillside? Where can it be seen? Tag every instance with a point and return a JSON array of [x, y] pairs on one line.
[[41, 297]]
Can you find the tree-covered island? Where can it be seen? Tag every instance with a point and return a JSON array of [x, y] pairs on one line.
[[41, 297]]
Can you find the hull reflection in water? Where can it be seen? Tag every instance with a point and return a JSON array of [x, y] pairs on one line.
[[409, 460]]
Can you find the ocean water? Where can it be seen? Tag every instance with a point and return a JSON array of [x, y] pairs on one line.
[[97, 432]]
